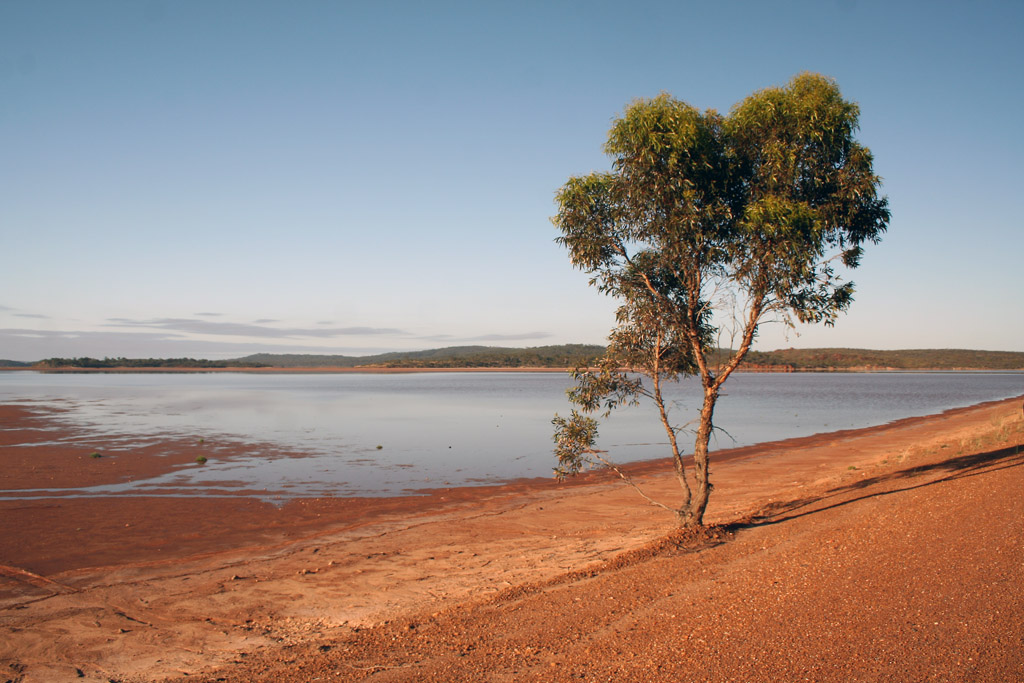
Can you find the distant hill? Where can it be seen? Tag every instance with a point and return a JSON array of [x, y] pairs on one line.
[[561, 356], [13, 364], [904, 359], [574, 354], [566, 356]]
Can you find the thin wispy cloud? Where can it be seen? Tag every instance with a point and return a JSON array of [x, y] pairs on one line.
[[510, 337], [34, 345], [43, 334], [524, 336], [209, 327], [38, 316]]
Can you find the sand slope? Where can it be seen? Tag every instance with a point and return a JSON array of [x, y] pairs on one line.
[[895, 553]]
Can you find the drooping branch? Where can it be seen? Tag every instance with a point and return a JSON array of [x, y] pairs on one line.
[[624, 476], [677, 458]]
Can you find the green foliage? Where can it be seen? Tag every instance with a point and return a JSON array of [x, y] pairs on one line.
[[809, 196], [201, 460], [710, 225], [574, 442]]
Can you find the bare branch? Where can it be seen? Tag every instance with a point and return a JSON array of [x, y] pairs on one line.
[[629, 480]]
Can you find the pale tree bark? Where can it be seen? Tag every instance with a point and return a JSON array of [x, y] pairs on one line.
[[693, 514]]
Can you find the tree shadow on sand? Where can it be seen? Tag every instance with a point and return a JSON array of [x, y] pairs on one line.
[[954, 468]]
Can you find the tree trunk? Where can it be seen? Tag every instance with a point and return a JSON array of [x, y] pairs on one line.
[[693, 514]]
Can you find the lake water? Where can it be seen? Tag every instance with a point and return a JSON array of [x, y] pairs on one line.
[[317, 435]]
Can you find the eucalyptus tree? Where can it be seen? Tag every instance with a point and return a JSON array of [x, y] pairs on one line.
[[707, 227]]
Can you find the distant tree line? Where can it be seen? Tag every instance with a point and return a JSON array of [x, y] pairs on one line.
[[556, 356], [573, 355], [539, 357], [569, 356], [905, 359], [112, 363]]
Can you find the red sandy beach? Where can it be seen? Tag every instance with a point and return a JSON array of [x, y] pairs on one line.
[[888, 554]]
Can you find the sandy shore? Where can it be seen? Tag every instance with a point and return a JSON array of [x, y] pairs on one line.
[[893, 553]]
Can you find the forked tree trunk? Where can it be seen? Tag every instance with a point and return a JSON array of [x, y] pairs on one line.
[[692, 515]]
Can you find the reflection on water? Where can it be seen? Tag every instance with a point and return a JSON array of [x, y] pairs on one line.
[[318, 435]]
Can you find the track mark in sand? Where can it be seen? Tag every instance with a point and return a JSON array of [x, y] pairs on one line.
[[36, 580]]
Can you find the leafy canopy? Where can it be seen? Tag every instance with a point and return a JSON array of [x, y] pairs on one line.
[[709, 225]]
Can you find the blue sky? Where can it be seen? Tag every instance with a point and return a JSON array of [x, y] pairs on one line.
[[213, 179]]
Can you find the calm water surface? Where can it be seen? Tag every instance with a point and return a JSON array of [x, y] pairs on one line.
[[317, 435]]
